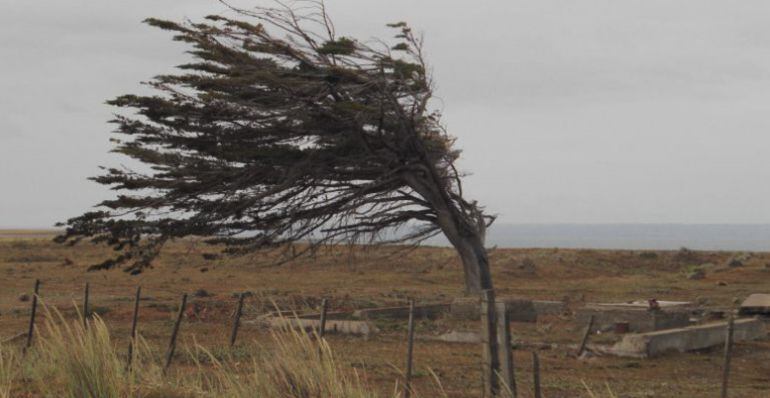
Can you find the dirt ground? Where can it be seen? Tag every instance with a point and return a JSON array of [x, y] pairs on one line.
[[389, 276]]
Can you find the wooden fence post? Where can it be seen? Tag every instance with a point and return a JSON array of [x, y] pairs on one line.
[[507, 379], [490, 354], [409, 350], [31, 329], [174, 332], [587, 333], [134, 319], [85, 306], [728, 355], [237, 320], [536, 374], [322, 319]]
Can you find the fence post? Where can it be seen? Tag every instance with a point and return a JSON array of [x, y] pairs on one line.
[[322, 319], [507, 378], [237, 320], [536, 374], [490, 354], [85, 306], [728, 355], [174, 332], [31, 329], [587, 333], [134, 319], [409, 350]]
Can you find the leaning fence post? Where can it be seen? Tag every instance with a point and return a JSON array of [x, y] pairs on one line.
[[587, 333], [490, 353], [174, 332], [85, 306], [237, 320], [409, 350], [31, 330], [506, 356], [134, 319], [322, 319], [728, 355], [536, 374]]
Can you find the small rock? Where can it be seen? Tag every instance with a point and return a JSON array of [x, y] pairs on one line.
[[204, 269], [527, 265], [202, 293], [701, 301], [721, 283], [734, 262], [697, 274], [24, 298]]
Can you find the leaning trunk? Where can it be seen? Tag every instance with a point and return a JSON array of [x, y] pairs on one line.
[[478, 282], [473, 254], [475, 262]]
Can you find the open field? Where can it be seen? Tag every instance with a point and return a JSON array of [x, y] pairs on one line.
[[381, 277]]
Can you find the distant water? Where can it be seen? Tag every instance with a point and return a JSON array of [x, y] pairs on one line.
[[733, 237]]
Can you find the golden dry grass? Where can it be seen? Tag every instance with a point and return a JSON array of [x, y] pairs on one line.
[[371, 278]]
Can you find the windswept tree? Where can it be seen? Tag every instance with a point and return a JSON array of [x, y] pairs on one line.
[[281, 131]]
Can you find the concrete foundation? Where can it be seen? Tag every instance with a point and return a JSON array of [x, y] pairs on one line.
[[545, 307], [645, 345], [360, 328], [756, 304], [639, 319], [429, 311], [459, 337], [519, 310]]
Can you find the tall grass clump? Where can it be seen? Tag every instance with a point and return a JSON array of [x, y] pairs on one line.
[[8, 370], [298, 365], [70, 360]]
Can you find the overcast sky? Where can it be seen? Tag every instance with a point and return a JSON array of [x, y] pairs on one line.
[[651, 111]]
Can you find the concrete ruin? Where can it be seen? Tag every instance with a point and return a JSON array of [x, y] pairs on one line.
[[547, 307], [519, 310], [652, 344], [756, 304], [425, 311], [359, 328], [639, 317], [458, 337]]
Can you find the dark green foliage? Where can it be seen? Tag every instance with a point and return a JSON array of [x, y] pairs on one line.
[[264, 140]]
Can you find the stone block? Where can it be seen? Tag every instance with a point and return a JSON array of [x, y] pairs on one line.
[[756, 304], [639, 319], [652, 344]]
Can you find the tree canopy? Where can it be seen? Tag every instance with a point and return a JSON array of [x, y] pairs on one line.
[[280, 130]]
